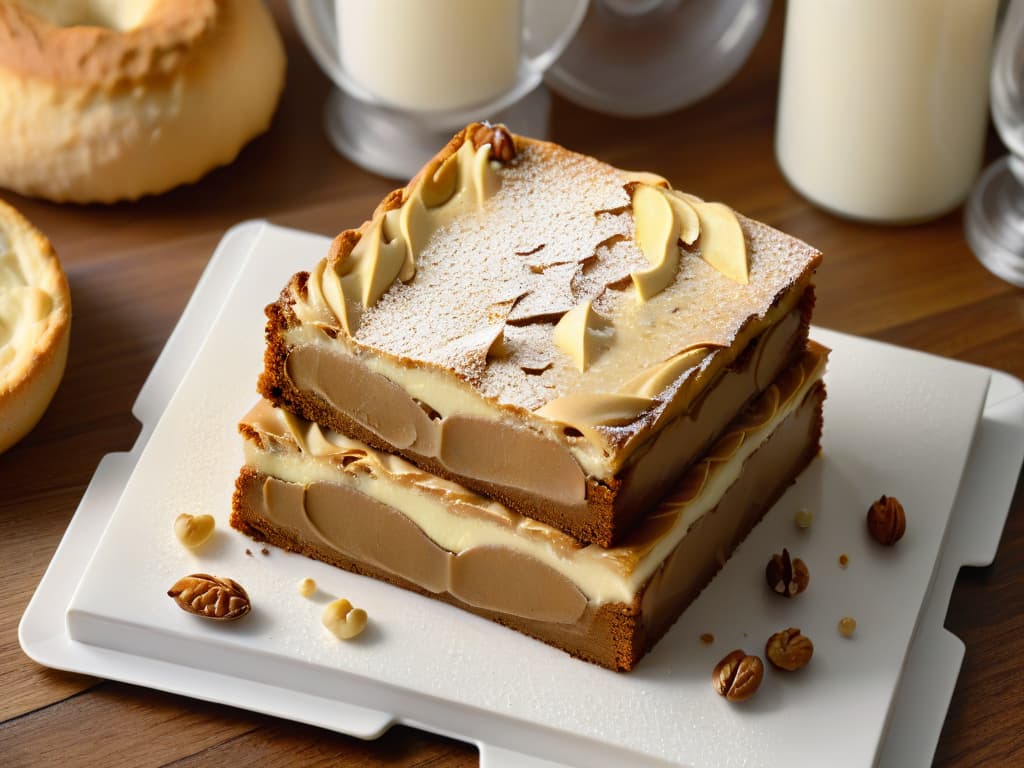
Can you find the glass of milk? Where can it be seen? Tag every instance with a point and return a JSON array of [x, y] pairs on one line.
[[409, 73], [883, 104], [429, 55]]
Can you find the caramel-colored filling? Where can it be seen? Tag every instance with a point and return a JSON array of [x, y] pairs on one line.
[[378, 508], [488, 446]]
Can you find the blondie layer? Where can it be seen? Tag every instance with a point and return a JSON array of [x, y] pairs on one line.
[[540, 327]]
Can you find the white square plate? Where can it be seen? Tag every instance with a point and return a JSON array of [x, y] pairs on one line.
[[897, 422]]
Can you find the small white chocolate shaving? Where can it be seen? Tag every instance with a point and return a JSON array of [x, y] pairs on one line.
[[373, 265], [470, 352], [315, 310], [657, 234], [344, 621], [722, 244], [686, 215], [651, 382], [438, 187], [485, 181], [309, 436], [332, 294], [193, 530], [582, 334], [586, 410], [646, 177]]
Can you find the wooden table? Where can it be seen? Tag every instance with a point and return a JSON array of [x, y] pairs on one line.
[[132, 268]]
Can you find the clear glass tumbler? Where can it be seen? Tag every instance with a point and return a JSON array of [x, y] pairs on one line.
[[883, 106], [994, 215]]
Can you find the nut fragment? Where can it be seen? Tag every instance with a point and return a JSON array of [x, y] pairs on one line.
[[343, 620], [887, 522], [307, 587], [847, 626], [503, 146], [803, 518], [789, 650], [738, 676], [787, 576], [193, 530], [211, 597]]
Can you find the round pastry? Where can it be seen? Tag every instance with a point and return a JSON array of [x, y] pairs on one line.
[[104, 100], [35, 323]]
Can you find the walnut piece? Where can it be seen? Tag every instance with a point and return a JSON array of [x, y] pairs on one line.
[[887, 522], [503, 145], [343, 620], [738, 676], [193, 530], [787, 576], [211, 597], [789, 650]]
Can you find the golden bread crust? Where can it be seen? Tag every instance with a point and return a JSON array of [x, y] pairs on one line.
[[171, 32], [33, 352], [96, 114]]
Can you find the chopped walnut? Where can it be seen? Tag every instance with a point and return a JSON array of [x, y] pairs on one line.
[[887, 521], [787, 576], [738, 676], [789, 650]]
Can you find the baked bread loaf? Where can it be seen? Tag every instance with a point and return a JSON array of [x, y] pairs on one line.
[[545, 329], [35, 324], [106, 100]]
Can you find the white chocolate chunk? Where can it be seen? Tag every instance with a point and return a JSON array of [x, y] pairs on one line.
[[583, 334], [722, 244], [344, 621], [657, 234], [193, 530]]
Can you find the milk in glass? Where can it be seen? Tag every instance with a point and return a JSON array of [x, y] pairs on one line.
[[883, 104], [430, 54]]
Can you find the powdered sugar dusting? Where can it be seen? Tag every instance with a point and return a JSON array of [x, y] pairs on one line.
[[558, 232]]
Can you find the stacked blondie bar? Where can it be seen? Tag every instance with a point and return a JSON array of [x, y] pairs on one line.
[[546, 390]]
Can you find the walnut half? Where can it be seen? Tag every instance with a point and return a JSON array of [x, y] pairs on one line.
[[211, 597], [887, 522], [738, 676], [789, 650], [787, 576]]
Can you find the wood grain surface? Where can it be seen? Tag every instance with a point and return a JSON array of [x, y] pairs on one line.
[[132, 268]]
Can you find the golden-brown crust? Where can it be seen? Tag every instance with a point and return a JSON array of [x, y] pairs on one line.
[[167, 37], [615, 635], [614, 627], [27, 388], [96, 114]]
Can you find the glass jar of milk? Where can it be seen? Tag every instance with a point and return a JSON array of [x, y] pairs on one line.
[[883, 104]]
